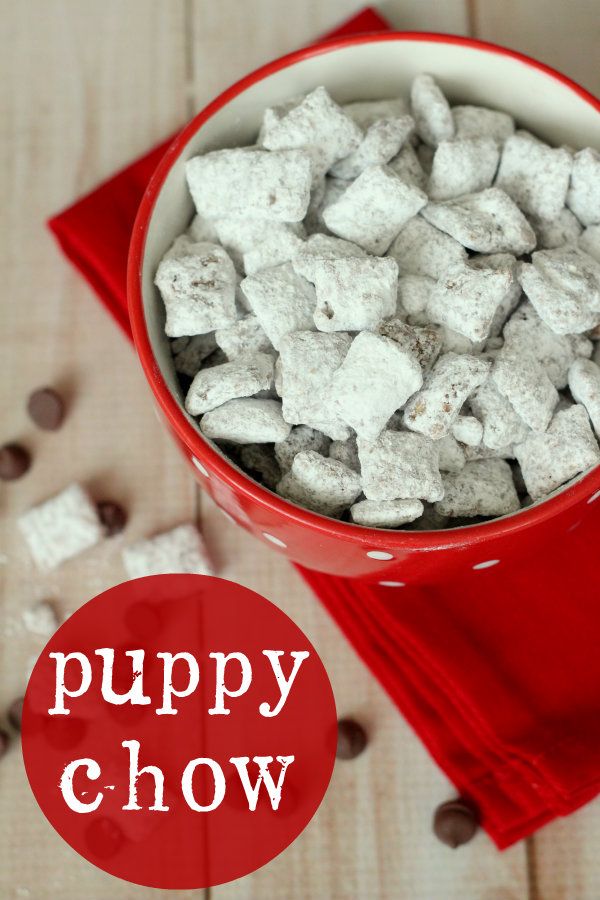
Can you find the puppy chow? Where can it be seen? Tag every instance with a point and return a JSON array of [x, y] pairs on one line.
[[482, 488], [198, 290], [400, 465], [535, 175], [300, 438], [434, 409], [583, 197], [375, 379], [523, 381], [61, 527], [564, 287], [374, 208], [181, 550], [566, 449], [281, 300], [382, 141], [462, 167], [481, 122], [487, 222], [321, 484], [422, 249], [502, 426], [584, 384], [242, 377], [385, 513], [249, 420], [431, 111]]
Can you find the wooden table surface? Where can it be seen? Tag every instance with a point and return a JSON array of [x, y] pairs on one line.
[[85, 86]]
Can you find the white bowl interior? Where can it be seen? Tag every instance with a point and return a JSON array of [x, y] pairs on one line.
[[368, 71]]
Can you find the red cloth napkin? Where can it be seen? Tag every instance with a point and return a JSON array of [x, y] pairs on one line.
[[500, 679]]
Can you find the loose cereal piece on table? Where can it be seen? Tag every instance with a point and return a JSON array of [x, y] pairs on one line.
[[198, 290], [302, 437], [259, 461], [201, 229], [462, 167], [502, 262], [61, 527], [324, 485], [478, 121], [552, 233], [482, 488], [240, 236], [41, 618], [366, 112], [353, 294], [320, 127], [190, 352], [467, 298], [434, 409], [535, 175], [502, 426], [422, 249], [468, 430], [385, 513], [488, 222], [380, 144], [589, 241], [346, 452], [406, 165], [282, 301], [524, 382], [374, 208], [451, 454], [564, 287], [246, 421], [414, 292], [400, 465], [180, 550], [584, 383], [252, 184], [526, 333], [430, 109], [375, 379], [564, 451], [275, 250], [243, 337], [424, 343], [308, 362], [240, 378], [584, 194]]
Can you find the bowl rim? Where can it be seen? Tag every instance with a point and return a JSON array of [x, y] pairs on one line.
[[587, 487]]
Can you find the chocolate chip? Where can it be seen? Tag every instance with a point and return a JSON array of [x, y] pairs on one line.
[[112, 516], [46, 408], [351, 739], [15, 713], [14, 461], [4, 740], [455, 822]]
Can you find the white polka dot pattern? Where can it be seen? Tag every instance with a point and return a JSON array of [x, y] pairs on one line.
[[274, 540], [392, 584], [200, 467], [379, 554], [487, 564]]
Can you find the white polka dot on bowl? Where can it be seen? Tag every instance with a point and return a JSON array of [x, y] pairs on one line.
[[392, 584], [594, 497], [487, 564], [379, 554], [274, 540], [200, 467]]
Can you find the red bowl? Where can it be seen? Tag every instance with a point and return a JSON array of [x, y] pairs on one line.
[[354, 68]]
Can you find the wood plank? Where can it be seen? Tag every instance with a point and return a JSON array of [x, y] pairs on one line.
[[84, 87], [371, 837], [563, 856], [563, 35]]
